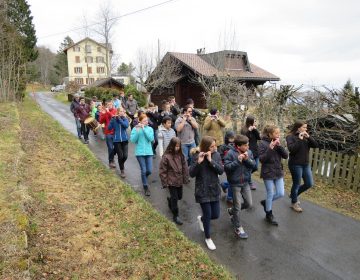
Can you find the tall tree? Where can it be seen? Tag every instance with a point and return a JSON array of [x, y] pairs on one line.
[[61, 64]]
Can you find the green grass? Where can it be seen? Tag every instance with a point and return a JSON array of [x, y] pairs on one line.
[[82, 221], [62, 97]]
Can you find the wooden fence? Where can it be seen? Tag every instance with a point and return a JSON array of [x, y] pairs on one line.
[[335, 169]]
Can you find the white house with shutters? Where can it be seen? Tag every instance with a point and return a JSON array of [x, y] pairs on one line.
[[88, 61]]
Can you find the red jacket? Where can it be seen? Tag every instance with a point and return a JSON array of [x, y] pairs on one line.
[[106, 118]]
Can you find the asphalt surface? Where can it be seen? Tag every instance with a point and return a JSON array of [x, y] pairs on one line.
[[316, 244]]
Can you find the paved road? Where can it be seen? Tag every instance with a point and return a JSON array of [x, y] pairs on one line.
[[317, 244]]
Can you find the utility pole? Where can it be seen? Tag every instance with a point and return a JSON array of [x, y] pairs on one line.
[[158, 54]]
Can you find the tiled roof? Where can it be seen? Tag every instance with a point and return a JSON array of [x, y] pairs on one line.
[[200, 66]]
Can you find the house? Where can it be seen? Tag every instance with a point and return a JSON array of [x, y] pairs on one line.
[[108, 83], [88, 61], [226, 63], [124, 79]]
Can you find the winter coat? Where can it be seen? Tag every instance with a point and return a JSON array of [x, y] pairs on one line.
[[82, 111], [173, 170], [164, 137], [253, 136], [119, 125], [271, 166], [214, 128], [73, 106], [207, 184], [143, 140], [154, 118], [105, 118], [131, 106], [238, 173], [299, 149], [224, 148]]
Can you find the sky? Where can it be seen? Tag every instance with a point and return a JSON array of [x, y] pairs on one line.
[[313, 43]]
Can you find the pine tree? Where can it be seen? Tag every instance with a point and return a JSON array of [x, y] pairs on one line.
[[61, 64]]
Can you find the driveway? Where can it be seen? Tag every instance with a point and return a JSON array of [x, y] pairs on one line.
[[316, 244]]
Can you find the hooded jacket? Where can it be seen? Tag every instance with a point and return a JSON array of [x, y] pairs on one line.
[[238, 173], [271, 166], [207, 184], [214, 128], [224, 148], [173, 170], [119, 126]]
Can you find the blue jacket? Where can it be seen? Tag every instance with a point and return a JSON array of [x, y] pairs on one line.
[[143, 140], [119, 124], [238, 173]]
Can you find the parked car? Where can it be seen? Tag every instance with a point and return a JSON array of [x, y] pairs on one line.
[[58, 88]]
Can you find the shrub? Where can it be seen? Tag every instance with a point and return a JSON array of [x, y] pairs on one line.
[[139, 96]]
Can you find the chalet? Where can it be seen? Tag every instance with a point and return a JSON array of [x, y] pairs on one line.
[[234, 64], [108, 83]]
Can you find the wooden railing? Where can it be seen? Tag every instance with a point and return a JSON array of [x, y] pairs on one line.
[[335, 169]]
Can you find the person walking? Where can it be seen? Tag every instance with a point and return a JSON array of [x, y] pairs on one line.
[[213, 126], [185, 126], [131, 106], [82, 112], [270, 154], [238, 165], [119, 123], [251, 132], [206, 167], [166, 133], [153, 115], [142, 135], [105, 117], [299, 143], [74, 104], [173, 174]]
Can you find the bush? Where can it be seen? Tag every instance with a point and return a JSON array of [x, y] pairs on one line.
[[139, 96]]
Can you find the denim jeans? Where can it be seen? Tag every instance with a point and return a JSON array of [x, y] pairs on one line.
[[110, 145], [145, 163], [156, 142], [121, 148], [186, 151], [257, 165], [278, 184], [210, 211], [298, 172], [238, 192], [78, 127]]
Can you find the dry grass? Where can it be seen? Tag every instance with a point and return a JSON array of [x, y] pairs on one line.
[[62, 97], [85, 224]]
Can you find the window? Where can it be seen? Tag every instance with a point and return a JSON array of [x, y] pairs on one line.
[[77, 59], [100, 69], [100, 59], [89, 59], [89, 70], [79, 81], [76, 49], [89, 81], [87, 48], [77, 70], [99, 49]]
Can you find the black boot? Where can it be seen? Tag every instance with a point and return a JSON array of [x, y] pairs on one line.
[[177, 220], [271, 219], [263, 203], [169, 203]]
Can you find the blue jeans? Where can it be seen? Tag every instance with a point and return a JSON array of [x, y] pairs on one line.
[[78, 127], [229, 195], [270, 195], [298, 172], [257, 165], [110, 145], [210, 211], [186, 151], [145, 163]]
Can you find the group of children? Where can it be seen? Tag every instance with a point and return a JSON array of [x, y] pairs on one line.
[[238, 157]]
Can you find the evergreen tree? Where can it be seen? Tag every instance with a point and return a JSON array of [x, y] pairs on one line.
[[61, 64]]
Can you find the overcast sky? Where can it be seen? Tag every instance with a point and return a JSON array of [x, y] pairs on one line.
[[307, 42]]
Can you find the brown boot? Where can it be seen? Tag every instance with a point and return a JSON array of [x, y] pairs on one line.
[[122, 174], [296, 207], [112, 164]]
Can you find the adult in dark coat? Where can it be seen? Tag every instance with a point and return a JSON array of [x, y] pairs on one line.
[[82, 112], [206, 167]]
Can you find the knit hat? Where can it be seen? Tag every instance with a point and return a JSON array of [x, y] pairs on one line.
[[228, 134]]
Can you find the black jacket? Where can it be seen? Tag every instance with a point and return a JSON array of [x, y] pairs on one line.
[[299, 149], [271, 166], [253, 136], [238, 173], [154, 118], [207, 184]]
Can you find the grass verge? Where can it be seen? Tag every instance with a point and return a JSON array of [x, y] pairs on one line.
[[83, 222], [62, 97]]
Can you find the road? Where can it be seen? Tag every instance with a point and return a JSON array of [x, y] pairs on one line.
[[316, 244]]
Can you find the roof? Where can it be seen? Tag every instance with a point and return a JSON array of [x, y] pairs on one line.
[[198, 64], [87, 39], [105, 81]]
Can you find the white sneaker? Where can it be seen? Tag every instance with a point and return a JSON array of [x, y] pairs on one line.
[[210, 244], [200, 224]]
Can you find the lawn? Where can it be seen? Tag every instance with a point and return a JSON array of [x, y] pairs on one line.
[[80, 220]]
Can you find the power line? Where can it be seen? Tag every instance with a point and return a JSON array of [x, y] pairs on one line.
[[100, 22]]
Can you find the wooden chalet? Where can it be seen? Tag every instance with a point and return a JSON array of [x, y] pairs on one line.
[[108, 83], [234, 64]]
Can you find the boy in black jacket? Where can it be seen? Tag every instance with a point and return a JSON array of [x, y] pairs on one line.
[[238, 165]]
